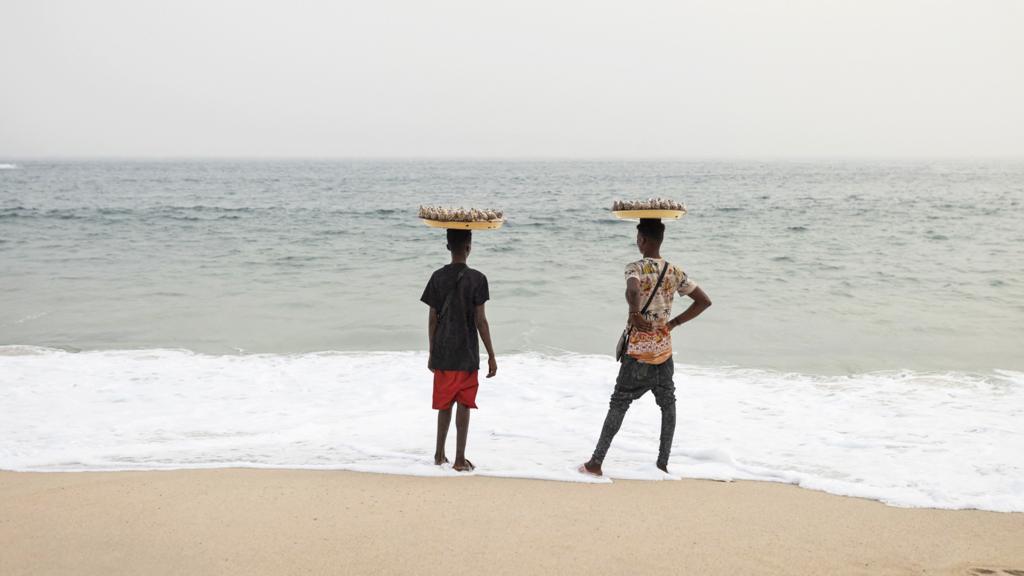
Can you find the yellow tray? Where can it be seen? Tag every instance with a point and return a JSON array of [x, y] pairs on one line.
[[483, 225], [638, 214]]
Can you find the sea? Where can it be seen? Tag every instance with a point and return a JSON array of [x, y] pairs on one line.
[[866, 336]]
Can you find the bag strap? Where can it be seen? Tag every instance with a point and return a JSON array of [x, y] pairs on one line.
[[657, 285], [664, 269]]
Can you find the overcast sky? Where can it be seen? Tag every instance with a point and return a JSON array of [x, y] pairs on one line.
[[722, 79]]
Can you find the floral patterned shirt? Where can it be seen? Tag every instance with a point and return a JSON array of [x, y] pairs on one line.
[[656, 347]]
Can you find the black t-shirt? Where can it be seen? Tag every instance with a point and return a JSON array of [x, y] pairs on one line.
[[456, 344]]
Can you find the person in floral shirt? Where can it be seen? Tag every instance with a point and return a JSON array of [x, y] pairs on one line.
[[647, 362]]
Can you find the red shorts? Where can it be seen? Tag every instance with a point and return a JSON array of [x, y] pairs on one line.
[[454, 386]]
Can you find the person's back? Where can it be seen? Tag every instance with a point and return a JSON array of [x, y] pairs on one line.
[[655, 346], [455, 291], [456, 295]]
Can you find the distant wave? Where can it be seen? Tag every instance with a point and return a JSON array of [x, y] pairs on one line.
[[8, 166], [56, 213], [943, 439], [205, 208], [182, 213]]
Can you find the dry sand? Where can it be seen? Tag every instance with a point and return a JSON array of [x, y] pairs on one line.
[[308, 522]]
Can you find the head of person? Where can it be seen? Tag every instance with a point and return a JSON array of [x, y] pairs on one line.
[[460, 242], [649, 234]]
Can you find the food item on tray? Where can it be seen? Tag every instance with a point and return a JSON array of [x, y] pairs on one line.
[[440, 214], [649, 204]]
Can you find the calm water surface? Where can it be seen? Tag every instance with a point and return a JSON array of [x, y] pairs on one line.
[[812, 267]]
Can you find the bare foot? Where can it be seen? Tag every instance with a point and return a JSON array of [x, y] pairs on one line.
[[439, 460], [590, 467], [463, 466]]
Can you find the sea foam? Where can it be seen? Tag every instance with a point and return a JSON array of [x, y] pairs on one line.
[[945, 440]]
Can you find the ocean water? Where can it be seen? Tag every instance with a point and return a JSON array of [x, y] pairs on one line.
[[865, 339]]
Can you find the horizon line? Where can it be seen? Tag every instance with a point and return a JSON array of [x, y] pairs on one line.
[[398, 158]]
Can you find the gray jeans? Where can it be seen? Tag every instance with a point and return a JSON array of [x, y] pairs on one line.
[[635, 379]]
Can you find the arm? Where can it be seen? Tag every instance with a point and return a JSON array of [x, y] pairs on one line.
[[634, 298], [431, 328], [700, 303], [485, 334]]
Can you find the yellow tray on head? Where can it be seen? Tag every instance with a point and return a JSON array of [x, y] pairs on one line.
[[641, 214], [478, 225]]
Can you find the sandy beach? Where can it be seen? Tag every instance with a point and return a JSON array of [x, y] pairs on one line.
[[311, 522]]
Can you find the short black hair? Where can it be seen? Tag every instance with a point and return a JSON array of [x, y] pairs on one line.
[[459, 238], [652, 228]]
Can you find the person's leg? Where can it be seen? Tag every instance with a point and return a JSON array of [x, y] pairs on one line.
[[462, 430], [665, 396], [444, 420], [624, 394]]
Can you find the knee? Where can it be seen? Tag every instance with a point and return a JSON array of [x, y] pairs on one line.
[[619, 404], [666, 401]]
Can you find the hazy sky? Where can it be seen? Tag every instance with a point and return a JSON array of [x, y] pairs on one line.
[[514, 79]]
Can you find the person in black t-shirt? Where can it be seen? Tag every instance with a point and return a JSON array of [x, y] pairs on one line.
[[456, 295]]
